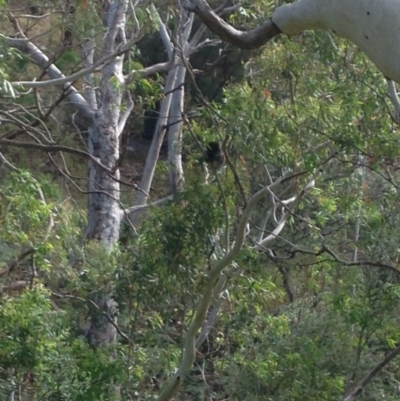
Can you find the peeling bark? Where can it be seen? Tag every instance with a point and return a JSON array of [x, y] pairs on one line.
[[103, 201], [105, 213], [105, 126], [101, 332]]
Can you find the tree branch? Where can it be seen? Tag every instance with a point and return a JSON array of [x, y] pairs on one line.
[[5, 163], [151, 70], [209, 294], [372, 373], [17, 261], [54, 148], [53, 72], [359, 263], [246, 40]]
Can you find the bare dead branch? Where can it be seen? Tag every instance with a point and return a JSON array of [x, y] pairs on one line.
[[130, 211], [69, 176], [4, 162], [16, 285], [360, 263], [14, 133]]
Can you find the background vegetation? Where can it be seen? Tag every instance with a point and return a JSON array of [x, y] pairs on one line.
[[305, 318]]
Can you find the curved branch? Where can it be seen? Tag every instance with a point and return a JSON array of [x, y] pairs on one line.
[[246, 40], [371, 25], [151, 70], [56, 77], [97, 66], [63, 79], [16, 262], [325, 249]]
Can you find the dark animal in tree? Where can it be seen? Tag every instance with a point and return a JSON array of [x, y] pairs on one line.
[[214, 156], [35, 10]]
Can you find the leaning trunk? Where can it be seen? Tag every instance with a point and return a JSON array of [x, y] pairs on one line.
[[154, 152]]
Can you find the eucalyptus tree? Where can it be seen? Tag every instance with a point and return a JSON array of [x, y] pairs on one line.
[[105, 109], [105, 106], [172, 106], [372, 26]]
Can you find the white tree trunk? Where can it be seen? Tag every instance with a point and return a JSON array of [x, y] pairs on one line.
[[176, 178], [152, 157], [103, 201]]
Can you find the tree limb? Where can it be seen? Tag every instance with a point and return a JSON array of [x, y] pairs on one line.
[[53, 72], [209, 294], [359, 263], [5, 163], [54, 148], [17, 261], [246, 40], [372, 373]]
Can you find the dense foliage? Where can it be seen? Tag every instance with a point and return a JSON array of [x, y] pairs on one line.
[[305, 319]]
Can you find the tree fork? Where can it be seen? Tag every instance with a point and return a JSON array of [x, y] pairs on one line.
[[371, 25]]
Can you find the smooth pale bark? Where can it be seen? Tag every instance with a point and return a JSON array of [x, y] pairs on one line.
[[105, 213], [103, 200], [154, 151], [104, 129], [171, 106], [374, 26], [212, 290], [41, 60], [171, 110], [105, 125], [176, 177], [88, 53]]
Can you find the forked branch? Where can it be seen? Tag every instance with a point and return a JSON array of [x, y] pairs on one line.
[[246, 40], [211, 291]]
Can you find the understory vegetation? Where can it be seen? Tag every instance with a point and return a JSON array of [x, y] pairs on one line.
[[307, 305]]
